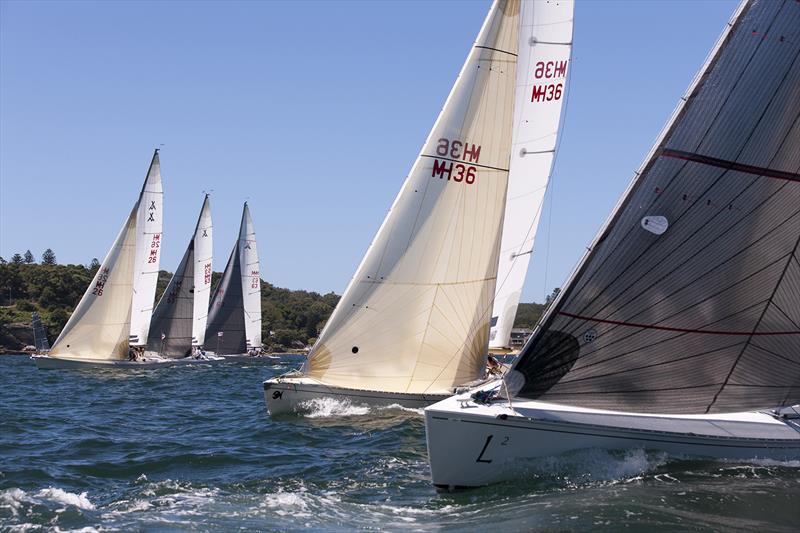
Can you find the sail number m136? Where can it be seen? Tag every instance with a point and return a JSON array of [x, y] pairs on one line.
[[546, 71], [451, 166]]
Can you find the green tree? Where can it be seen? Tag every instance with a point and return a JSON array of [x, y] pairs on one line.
[[29, 257], [49, 257], [93, 266], [17, 259]]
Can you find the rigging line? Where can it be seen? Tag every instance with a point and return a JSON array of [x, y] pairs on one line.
[[731, 165], [465, 162], [681, 330], [755, 329]]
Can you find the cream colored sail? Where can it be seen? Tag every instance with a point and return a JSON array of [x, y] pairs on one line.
[[251, 279], [415, 317], [203, 252], [148, 253], [545, 44], [99, 326]]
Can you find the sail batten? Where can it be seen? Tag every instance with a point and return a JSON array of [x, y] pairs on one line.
[[687, 286], [414, 318]]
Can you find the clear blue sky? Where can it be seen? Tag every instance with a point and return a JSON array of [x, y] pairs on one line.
[[314, 111]]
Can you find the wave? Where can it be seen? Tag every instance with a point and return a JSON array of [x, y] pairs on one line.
[[330, 407], [14, 498]]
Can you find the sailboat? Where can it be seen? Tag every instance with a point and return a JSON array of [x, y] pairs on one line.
[[413, 324], [40, 341], [108, 319], [234, 318], [179, 319], [544, 61], [684, 314]]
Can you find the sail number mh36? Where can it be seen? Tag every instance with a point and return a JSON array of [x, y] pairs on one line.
[[546, 71], [451, 167]]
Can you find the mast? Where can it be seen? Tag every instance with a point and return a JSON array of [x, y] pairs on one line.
[[251, 279], [545, 45], [148, 252], [203, 252]]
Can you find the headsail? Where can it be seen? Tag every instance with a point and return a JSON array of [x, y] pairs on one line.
[[545, 43], [171, 327], [415, 317], [225, 333], [687, 301], [203, 252], [39, 333], [99, 326], [148, 252], [251, 279]]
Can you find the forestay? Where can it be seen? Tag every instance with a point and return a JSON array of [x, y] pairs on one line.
[[415, 317], [99, 326], [171, 328], [545, 43], [687, 301], [203, 252], [251, 279], [148, 252]]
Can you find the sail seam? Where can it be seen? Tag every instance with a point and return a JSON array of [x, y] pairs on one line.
[[681, 330], [495, 50], [758, 323], [731, 165]]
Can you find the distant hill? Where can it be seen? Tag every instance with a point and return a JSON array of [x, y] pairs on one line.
[[290, 319]]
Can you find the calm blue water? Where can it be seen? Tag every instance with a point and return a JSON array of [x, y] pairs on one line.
[[193, 449]]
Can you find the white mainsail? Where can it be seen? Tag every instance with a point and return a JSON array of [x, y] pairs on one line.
[[415, 317], [203, 252], [148, 253], [545, 43], [251, 279], [99, 326]]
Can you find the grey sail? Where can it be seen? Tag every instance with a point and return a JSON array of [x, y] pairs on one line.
[[225, 333], [39, 334], [688, 300], [170, 332]]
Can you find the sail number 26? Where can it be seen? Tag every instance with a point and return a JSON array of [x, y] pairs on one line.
[[451, 165]]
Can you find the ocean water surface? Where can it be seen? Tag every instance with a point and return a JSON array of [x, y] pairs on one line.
[[193, 449]]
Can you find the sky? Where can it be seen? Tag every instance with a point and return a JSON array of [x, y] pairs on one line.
[[313, 112]]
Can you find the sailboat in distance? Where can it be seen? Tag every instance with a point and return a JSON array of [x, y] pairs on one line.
[[174, 327], [98, 333], [234, 318], [685, 311], [413, 324]]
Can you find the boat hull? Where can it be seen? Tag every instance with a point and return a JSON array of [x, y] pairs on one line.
[[289, 395], [471, 445], [51, 363], [250, 358]]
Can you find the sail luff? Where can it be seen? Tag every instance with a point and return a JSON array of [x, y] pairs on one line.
[[148, 252], [545, 44], [251, 279], [98, 327], [414, 318], [203, 269], [686, 301]]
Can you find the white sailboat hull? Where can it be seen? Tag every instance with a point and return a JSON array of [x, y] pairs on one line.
[[471, 445], [50, 363], [290, 394], [244, 358]]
